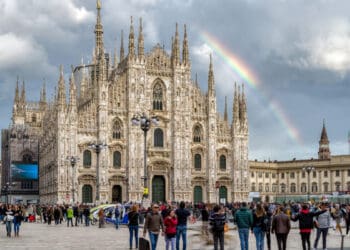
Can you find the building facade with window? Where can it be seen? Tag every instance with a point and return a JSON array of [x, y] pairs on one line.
[[287, 180], [193, 154]]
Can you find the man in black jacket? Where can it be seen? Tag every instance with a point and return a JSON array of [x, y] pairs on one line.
[[217, 222], [182, 214]]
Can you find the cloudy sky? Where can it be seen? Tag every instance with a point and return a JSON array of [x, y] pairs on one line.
[[293, 56]]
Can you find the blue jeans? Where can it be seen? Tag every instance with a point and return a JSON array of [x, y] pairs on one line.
[[170, 242], [181, 231], [259, 237], [8, 227], [116, 223], [154, 239], [87, 221], [134, 230], [16, 226], [244, 237]]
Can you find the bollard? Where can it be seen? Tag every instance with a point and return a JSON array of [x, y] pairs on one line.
[[342, 242]]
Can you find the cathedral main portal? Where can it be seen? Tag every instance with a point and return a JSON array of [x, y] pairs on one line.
[[158, 188]]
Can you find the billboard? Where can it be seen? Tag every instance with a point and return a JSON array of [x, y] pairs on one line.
[[24, 171]]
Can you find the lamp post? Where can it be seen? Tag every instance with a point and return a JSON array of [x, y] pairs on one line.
[[308, 170], [73, 161], [97, 147], [145, 124], [6, 190]]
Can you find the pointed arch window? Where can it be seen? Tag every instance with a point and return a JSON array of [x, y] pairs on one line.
[[117, 130], [197, 162], [87, 158], [158, 97], [117, 159], [222, 162], [197, 134], [158, 138]]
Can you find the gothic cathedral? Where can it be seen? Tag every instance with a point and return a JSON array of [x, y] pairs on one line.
[[193, 153]]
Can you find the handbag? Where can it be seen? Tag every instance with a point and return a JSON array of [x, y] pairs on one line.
[[226, 228], [9, 218]]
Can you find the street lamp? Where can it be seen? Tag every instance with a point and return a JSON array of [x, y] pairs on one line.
[[73, 161], [145, 124], [308, 170], [98, 147], [6, 190]]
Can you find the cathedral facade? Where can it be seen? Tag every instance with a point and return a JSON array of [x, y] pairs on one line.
[[193, 153]]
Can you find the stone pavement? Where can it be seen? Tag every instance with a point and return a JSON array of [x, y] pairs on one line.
[[43, 236]]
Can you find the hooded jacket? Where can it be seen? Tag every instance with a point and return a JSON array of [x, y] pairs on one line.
[[305, 218]]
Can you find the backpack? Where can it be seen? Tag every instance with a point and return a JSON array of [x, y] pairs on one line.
[[218, 225], [265, 224]]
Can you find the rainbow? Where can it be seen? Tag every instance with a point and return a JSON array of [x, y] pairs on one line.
[[246, 74]]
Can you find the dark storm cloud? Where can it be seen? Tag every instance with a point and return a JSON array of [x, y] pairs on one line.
[[299, 50]]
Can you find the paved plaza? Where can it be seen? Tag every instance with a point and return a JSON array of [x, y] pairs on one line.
[[43, 236]]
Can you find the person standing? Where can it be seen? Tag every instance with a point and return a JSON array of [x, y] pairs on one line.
[[244, 220], [70, 216], [153, 224], [323, 222], [133, 225], [116, 216], [9, 219], [268, 211], [305, 218], [76, 214], [101, 219], [217, 222], [86, 213], [181, 230], [347, 219], [281, 227], [258, 226], [170, 223], [205, 219]]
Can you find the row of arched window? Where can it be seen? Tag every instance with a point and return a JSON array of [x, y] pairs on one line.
[[303, 187], [198, 162], [117, 160]]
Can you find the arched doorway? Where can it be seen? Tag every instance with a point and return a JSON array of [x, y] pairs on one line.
[[87, 194], [197, 195], [222, 194], [158, 188], [117, 194]]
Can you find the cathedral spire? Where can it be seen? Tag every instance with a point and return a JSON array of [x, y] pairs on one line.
[[141, 49], [115, 57], [225, 112], [43, 92], [244, 118], [98, 32], [72, 94], [323, 151], [122, 46], [185, 53], [235, 111], [23, 94], [131, 40], [61, 95], [175, 54], [196, 81], [211, 82], [17, 91]]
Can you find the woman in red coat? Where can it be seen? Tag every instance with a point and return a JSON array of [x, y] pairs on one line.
[[170, 223]]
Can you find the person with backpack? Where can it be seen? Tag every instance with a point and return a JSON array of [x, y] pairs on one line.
[[217, 221], [244, 220], [269, 214], [305, 217], [322, 223], [259, 226]]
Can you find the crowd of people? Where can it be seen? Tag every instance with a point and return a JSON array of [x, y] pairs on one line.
[[170, 220]]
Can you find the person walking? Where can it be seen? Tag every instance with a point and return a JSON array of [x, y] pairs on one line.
[[269, 214], [281, 227], [133, 225], [9, 219], [17, 218], [217, 221], [86, 213], [322, 223], [258, 227], [244, 220], [347, 219], [181, 230], [101, 219], [70, 216], [305, 217], [205, 220], [76, 214], [170, 223], [153, 224]]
